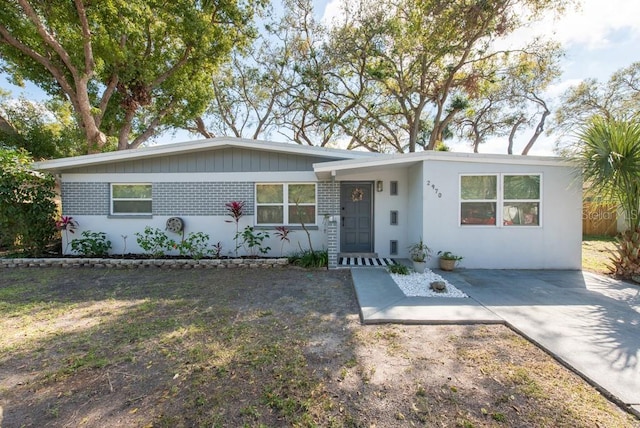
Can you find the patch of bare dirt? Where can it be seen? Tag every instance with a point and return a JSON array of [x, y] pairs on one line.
[[272, 347]]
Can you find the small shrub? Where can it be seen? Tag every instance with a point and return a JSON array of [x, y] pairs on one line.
[[252, 241], [195, 245], [399, 269], [310, 259], [92, 244], [155, 242], [216, 252]]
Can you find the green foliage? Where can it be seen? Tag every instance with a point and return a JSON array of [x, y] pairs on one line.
[[608, 156], [399, 269], [402, 64], [27, 209], [92, 244], [124, 84], [195, 245], [310, 259], [448, 255], [155, 242], [252, 241], [617, 98], [419, 252], [46, 130]]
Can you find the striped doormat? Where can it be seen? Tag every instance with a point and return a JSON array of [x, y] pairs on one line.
[[365, 261]]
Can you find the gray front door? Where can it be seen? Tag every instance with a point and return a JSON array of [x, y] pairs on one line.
[[356, 227]]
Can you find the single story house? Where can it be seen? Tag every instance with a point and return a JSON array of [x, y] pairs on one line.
[[498, 211]]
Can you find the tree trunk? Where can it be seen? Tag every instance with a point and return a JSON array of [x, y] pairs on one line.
[[536, 134], [512, 134]]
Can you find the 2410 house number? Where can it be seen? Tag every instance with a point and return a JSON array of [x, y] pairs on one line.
[[434, 188]]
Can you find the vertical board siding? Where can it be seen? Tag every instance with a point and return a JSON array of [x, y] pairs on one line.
[[222, 160]]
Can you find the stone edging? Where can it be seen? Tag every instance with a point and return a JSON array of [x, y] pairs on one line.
[[144, 263]]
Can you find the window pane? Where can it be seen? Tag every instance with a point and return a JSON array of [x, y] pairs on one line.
[[521, 214], [269, 215], [141, 191], [478, 213], [522, 187], [478, 187], [132, 207], [302, 193], [302, 214], [269, 194]]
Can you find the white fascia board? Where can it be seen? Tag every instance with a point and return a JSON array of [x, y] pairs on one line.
[[195, 146], [412, 158]]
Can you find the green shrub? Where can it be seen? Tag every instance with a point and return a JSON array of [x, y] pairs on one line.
[[195, 245], [27, 209], [252, 241], [310, 259], [92, 244], [155, 242], [399, 269]]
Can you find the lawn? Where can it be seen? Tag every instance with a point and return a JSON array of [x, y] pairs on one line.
[[597, 252], [260, 348]]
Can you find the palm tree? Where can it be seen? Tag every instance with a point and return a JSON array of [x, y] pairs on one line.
[[608, 155]]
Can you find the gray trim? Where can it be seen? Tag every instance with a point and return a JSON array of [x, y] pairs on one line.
[[129, 216], [221, 160], [289, 227]]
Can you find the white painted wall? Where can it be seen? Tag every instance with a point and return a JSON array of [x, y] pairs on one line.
[[214, 226], [554, 245]]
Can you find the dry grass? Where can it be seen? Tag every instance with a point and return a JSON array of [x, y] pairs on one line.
[[260, 348], [597, 252]]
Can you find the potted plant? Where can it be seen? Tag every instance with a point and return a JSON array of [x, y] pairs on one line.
[[419, 254], [448, 260]]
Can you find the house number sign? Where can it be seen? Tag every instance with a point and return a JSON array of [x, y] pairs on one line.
[[434, 188]]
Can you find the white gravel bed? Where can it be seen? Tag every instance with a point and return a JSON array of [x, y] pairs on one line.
[[417, 284]]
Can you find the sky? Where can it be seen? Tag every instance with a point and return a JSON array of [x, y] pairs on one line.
[[599, 38]]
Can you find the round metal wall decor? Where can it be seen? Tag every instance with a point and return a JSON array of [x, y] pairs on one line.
[[175, 225]]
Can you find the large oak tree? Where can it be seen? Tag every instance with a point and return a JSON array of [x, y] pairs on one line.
[[410, 66], [129, 68]]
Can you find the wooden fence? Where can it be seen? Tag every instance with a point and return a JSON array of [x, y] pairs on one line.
[[598, 219]]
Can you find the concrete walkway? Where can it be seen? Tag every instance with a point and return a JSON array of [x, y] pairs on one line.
[[589, 322]]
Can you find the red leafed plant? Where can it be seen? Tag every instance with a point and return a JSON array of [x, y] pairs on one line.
[[283, 233], [235, 210], [68, 224]]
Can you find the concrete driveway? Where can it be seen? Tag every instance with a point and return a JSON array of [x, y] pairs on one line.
[[589, 322]]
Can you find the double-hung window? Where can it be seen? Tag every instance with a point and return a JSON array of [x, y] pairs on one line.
[[285, 203], [521, 200], [478, 199], [131, 199], [500, 199]]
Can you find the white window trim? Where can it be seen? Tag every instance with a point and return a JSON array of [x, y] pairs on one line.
[[111, 199], [284, 204], [500, 201]]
